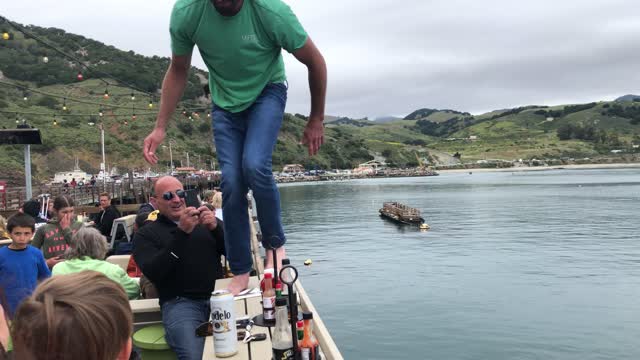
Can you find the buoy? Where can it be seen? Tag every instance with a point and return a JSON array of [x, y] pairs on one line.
[[308, 262], [425, 226]]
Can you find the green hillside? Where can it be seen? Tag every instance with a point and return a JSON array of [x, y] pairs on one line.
[[573, 131]]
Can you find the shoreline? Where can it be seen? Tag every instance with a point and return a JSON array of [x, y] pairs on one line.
[[543, 168]]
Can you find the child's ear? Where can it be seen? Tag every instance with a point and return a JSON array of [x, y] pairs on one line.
[[125, 353]]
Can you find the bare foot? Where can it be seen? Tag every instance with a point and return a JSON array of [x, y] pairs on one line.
[[238, 283], [280, 253]]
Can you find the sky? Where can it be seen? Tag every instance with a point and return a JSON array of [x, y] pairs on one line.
[[392, 57]]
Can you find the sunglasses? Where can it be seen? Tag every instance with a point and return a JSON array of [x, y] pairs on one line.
[[169, 195]]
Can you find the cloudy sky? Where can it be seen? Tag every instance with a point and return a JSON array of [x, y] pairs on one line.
[[392, 57]]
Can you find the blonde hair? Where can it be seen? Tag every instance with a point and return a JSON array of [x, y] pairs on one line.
[[4, 234], [217, 200], [87, 242], [83, 315]]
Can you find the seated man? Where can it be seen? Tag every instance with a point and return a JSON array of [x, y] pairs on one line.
[[108, 213], [149, 206], [180, 253]]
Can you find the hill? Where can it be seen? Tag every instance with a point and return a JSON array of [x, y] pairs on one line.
[[629, 98], [67, 112], [385, 119]]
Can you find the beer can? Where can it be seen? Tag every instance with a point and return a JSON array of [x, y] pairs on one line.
[[223, 317]]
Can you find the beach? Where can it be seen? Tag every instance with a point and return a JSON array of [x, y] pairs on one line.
[[543, 168]]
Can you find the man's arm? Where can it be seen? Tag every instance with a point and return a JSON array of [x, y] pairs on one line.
[[218, 234], [173, 86], [310, 56], [155, 260]]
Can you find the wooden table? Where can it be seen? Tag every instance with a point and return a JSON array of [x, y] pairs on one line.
[[255, 350], [148, 311]]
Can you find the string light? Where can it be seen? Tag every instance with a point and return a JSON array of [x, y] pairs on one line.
[[100, 113], [45, 59], [126, 122], [150, 104], [133, 117], [64, 104], [133, 96], [25, 96], [5, 35], [55, 122], [106, 93], [80, 77]]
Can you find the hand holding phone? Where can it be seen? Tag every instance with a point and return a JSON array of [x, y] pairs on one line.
[[191, 200]]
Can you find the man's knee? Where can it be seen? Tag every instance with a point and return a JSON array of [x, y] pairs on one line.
[[233, 182], [256, 171], [180, 318]]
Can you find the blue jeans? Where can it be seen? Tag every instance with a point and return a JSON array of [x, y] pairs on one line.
[[244, 143], [181, 317]]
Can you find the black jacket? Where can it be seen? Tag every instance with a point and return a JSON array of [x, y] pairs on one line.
[[179, 264], [145, 208], [104, 220]]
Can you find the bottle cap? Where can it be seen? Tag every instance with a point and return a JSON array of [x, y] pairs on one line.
[[281, 301], [268, 276], [286, 262], [299, 323], [306, 315], [279, 285]]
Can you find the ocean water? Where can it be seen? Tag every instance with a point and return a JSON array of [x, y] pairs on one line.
[[517, 265]]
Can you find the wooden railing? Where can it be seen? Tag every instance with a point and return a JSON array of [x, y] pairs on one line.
[[126, 192]]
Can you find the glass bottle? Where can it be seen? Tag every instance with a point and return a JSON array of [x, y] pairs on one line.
[[309, 344], [281, 341], [268, 298]]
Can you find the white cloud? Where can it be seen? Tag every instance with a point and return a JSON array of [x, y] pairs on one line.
[[392, 57]]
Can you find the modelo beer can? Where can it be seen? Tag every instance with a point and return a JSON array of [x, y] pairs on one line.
[[223, 317]]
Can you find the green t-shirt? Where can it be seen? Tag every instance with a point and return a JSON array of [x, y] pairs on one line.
[[243, 53]]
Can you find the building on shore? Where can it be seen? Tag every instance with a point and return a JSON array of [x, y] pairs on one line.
[[293, 169]]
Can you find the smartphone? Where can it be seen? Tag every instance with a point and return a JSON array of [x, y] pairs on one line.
[[192, 198]]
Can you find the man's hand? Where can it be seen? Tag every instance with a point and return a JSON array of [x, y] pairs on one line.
[[208, 218], [51, 262], [189, 219], [313, 135], [151, 143], [65, 221]]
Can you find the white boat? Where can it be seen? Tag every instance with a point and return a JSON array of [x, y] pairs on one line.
[[76, 173]]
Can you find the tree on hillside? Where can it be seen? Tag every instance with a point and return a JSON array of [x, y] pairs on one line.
[[565, 132]]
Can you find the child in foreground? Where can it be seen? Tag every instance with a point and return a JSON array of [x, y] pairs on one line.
[[83, 315], [21, 265]]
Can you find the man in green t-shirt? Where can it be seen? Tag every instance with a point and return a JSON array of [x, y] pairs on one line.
[[241, 43]]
